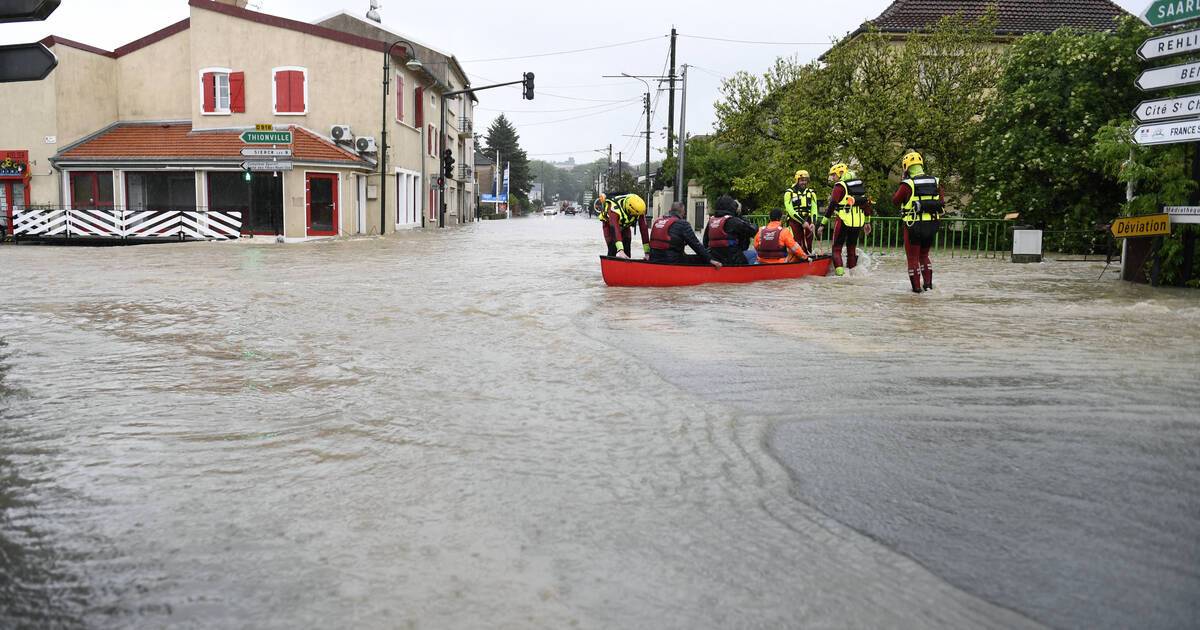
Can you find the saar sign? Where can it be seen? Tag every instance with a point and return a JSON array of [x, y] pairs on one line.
[[1150, 225], [1162, 12], [1168, 132]]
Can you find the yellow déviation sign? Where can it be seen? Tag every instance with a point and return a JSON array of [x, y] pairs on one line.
[[1149, 225], [264, 127]]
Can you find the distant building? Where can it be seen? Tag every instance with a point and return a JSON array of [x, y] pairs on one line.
[[566, 166], [537, 191]]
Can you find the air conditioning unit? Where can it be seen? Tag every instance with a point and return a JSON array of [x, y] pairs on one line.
[[365, 144], [341, 133]]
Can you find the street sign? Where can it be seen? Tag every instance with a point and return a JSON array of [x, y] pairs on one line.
[[1168, 108], [266, 137], [1169, 76], [1162, 12], [26, 10], [490, 198], [266, 165], [25, 62], [1168, 132], [257, 152], [1183, 214], [1170, 45], [1150, 225]]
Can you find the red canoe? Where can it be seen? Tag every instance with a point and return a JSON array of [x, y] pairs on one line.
[[624, 272]]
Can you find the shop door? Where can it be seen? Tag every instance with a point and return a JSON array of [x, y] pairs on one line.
[[266, 204], [12, 194], [321, 202]]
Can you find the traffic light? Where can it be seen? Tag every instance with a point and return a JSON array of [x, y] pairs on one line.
[[528, 83], [448, 164]]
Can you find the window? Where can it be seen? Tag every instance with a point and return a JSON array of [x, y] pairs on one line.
[[419, 107], [260, 200], [399, 97], [91, 189], [222, 91], [291, 90], [161, 190]]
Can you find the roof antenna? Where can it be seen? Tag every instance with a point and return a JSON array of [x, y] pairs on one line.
[[373, 14]]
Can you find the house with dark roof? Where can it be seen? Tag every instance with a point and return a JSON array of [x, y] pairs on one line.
[[235, 122]]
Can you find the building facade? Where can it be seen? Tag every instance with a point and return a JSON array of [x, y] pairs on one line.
[[112, 141]]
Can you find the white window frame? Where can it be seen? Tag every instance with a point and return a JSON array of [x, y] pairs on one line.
[[218, 75], [275, 90]]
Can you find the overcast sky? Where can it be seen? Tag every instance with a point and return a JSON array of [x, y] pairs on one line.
[[577, 111]]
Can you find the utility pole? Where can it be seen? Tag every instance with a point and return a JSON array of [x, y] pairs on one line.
[[620, 169], [649, 196], [671, 101], [680, 185]]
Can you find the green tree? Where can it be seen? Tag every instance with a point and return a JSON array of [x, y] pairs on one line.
[[1035, 150], [502, 136]]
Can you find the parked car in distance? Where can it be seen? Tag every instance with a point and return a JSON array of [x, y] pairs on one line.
[[571, 210]]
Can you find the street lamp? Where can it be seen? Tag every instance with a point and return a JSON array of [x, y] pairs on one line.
[[412, 64], [630, 76]]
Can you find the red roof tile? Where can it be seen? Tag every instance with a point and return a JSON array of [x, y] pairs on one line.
[[1016, 17], [178, 141]]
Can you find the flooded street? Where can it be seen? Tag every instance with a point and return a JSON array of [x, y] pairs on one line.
[[466, 428]]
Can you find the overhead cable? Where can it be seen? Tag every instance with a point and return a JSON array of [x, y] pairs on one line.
[[566, 52]]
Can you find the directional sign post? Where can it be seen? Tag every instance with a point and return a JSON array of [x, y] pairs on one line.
[[266, 137], [25, 62], [1170, 45], [264, 152], [26, 10], [1168, 132], [1169, 76], [1150, 225], [266, 165], [1183, 214], [1163, 12], [1168, 108]]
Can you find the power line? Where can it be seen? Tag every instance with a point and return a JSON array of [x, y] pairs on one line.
[[564, 52], [744, 41], [550, 122], [551, 111]]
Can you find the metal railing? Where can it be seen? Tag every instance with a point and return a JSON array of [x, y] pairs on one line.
[[958, 238], [464, 126], [47, 222]]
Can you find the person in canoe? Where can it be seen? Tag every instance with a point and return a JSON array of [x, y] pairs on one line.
[[727, 234], [800, 209], [669, 234], [775, 243], [921, 204], [618, 215], [852, 208]]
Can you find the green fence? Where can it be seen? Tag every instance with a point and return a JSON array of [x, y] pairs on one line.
[[958, 238]]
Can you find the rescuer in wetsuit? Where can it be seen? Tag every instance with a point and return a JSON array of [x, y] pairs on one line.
[[921, 204], [800, 208], [669, 234], [727, 235], [775, 243], [849, 203], [617, 215]]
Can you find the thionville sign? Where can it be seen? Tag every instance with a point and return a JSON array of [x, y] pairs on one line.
[[1168, 108], [1168, 132], [265, 152], [1169, 76], [1150, 225], [266, 137], [1162, 12], [1170, 45], [1183, 214]]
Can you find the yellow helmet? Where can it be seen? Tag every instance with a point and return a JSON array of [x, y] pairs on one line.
[[910, 158], [635, 205], [838, 170], [801, 173]]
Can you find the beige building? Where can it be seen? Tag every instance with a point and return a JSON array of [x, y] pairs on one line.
[[150, 138]]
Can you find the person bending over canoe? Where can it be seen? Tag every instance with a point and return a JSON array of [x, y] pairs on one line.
[[727, 235], [669, 234], [618, 214], [776, 244]]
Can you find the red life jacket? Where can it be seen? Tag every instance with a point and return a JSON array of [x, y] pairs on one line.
[[717, 236], [770, 244], [660, 237]]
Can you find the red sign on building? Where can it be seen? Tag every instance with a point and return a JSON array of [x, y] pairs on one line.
[[14, 163]]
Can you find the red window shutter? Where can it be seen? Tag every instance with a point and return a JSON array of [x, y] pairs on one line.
[[237, 91], [208, 84], [283, 101], [419, 106], [296, 86], [399, 97]]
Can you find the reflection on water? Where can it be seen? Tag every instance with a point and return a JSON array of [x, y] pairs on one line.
[[466, 428]]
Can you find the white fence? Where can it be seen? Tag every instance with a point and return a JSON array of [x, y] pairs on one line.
[[119, 223]]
